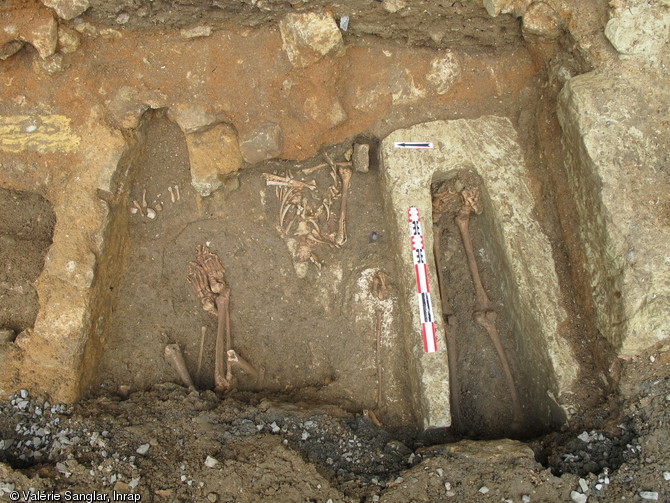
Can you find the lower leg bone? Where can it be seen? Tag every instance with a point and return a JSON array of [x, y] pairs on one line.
[[237, 360], [487, 321], [175, 358], [345, 173], [484, 314]]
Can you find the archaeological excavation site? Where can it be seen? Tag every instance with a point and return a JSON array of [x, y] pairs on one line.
[[335, 251]]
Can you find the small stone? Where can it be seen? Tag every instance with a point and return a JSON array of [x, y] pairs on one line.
[[542, 20], [212, 497], [584, 436], [483, 489], [666, 475], [599, 487], [23, 393], [52, 65], [142, 449], [196, 32], [584, 485], [394, 5], [67, 9], [305, 435], [134, 483], [344, 23], [307, 37], [525, 498], [6, 487], [447, 486], [440, 472], [211, 462], [578, 497], [274, 427], [122, 18], [649, 495], [361, 157]]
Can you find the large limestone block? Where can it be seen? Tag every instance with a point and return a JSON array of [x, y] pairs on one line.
[[617, 136], [639, 27], [307, 37], [212, 153], [524, 267]]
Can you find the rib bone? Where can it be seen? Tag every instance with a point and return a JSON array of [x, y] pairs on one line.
[[175, 358], [345, 173]]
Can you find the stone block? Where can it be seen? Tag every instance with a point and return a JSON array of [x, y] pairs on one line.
[[617, 172], [67, 9], [542, 20], [524, 265], [307, 37], [35, 25], [262, 143], [213, 153], [361, 157], [444, 72], [642, 27], [193, 117]]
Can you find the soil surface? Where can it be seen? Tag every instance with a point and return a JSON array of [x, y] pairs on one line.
[[169, 444], [304, 333]]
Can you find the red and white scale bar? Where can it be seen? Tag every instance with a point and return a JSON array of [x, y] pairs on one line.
[[423, 290]]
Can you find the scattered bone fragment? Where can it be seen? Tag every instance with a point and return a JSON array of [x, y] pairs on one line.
[[237, 360], [175, 358], [372, 417], [172, 197], [144, 198], [158, 206], [138, 207], [151, 213], [133, 210], [176, 193]]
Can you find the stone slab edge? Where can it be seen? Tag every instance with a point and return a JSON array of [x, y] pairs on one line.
[[615, 167], [489, 146]]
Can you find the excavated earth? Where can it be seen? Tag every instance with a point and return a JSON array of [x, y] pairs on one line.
[[185, 108]]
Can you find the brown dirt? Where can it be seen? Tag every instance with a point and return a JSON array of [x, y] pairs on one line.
[[26, 229], [299, 452], [284, 443]]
